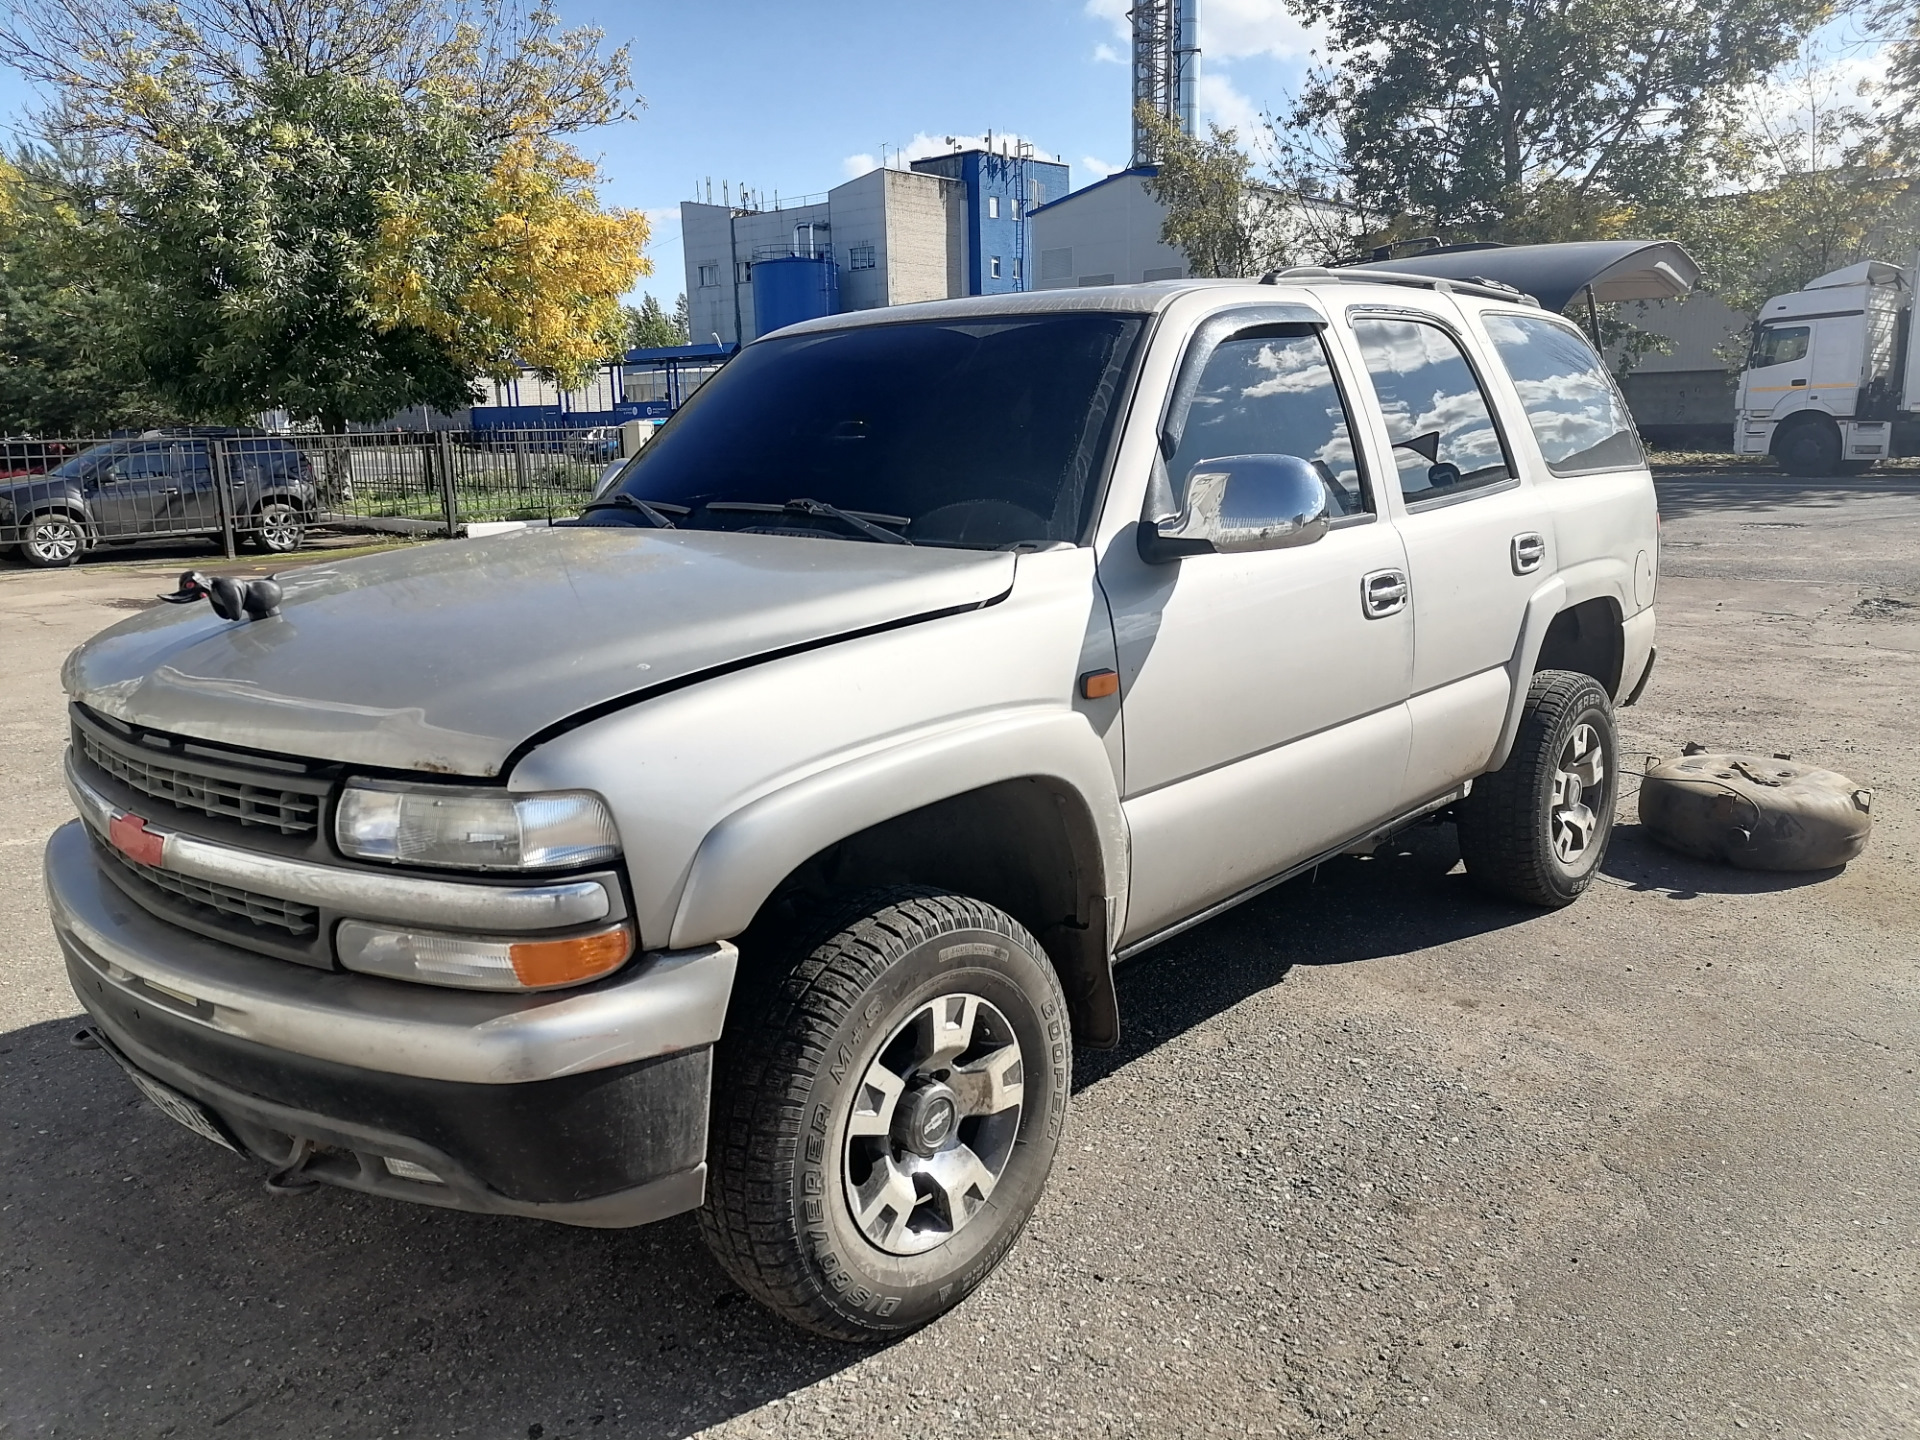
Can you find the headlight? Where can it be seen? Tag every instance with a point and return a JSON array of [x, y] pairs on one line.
[[473, 962], [473, 829]]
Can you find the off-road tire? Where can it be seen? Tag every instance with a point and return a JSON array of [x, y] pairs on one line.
[[1810, 450], [797, 1055], [1507, 824], [43, 550]]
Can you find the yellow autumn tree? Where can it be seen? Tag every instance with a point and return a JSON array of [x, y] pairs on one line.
[[527, 268]]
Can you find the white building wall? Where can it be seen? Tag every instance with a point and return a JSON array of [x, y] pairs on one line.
[[859, 210], [1107, 233], [926, 237]]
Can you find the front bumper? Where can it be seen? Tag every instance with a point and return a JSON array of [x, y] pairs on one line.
[[587, 1106]]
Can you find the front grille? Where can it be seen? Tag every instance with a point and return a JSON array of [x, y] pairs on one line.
[[229, 791], [301, 922]]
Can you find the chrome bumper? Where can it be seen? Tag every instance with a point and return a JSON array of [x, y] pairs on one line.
[[660, 1003]]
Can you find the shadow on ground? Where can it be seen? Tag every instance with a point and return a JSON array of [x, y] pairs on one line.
[[147, 1278], [1694, 494]]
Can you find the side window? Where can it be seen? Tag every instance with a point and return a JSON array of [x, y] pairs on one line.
[[1779, 345], [1576, 413], [1438, 418], [1271, 392]]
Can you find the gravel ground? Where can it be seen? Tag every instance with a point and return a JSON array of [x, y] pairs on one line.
[[1378, 1157]]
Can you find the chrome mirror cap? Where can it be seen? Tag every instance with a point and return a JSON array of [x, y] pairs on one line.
[[1242, 502]]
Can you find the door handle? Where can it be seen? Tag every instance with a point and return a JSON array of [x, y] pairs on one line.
[[1797, 382], [171, 490], [1383, 592], [1529, 549]]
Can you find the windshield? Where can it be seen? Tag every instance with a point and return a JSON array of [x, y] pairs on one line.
[[979, 433]]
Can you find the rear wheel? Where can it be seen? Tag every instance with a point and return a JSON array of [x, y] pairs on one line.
[[278, 528], [53, 541], [1536, 829], [885, 1120]]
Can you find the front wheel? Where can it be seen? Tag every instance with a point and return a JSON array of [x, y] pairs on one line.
[[1810, 449], [1536, 829], [53, 541], [886, 1117]]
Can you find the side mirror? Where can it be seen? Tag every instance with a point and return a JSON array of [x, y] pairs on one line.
[[1238, 503]]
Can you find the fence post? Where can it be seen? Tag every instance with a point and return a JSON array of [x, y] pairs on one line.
[[223, 493], [449, 500]]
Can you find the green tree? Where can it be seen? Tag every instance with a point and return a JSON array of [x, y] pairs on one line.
[[1215, 214], [1537, 120], [67, 361], [649, 327]]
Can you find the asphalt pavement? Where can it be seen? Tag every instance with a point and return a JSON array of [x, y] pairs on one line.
[[1377, 1157]]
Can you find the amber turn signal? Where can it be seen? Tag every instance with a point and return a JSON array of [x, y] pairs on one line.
[[540, 963], [1098, 684]]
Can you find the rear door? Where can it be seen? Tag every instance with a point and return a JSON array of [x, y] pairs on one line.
[[191, 503], [1477, 538]]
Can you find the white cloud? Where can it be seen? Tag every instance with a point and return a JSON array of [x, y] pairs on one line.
[[1099, 168], [1235, 29], [1222, 103], [856, 165], [1105, 54], [1229, 29]]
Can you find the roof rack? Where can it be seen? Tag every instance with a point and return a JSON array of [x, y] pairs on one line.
[[1475, 285]]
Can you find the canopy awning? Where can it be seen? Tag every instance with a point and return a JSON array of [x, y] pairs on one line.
[[1555, 274]]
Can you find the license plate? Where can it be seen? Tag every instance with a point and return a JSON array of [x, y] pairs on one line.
[[176, 1106]]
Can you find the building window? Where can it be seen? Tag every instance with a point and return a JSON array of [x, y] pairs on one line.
[[742, 271], [993, 207], [710, 274], [860, 257], [1015, 203], [1016, 269], [993, 267]]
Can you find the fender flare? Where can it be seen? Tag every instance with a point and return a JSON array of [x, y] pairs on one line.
[[750, 851], [1542, 606]]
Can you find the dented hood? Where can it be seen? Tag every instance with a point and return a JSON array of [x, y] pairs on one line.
[[447, 657]]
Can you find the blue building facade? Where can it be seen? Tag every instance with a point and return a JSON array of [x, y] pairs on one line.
[[1002, 192]]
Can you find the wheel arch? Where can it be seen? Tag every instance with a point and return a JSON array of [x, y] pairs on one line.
[[1024, 816], [1576, 621]]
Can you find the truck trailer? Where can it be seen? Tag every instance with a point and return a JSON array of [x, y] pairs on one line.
[[1832, 383]]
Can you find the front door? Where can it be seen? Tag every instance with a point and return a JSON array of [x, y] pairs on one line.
[[130, 492], [1263, 694], [1478, 541]]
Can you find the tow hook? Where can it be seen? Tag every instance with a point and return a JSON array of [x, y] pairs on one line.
[[290, 1178], [82, 1039]]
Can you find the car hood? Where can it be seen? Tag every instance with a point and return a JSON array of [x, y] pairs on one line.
[[448, 657]]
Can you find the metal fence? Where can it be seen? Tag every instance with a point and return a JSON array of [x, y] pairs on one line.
[[61, 498]]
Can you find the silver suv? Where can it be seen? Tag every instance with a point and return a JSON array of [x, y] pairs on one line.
[[763, 841]]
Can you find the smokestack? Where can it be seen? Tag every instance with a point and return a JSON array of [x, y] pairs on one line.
[[1166, 68]]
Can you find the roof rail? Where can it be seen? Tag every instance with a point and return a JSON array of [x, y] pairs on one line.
[[1477, 285]]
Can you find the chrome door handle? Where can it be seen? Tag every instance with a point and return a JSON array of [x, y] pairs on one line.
[[1529, 550], [1383, 592]]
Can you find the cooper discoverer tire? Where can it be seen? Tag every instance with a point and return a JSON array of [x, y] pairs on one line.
[[1536, 829], [886, 1113]]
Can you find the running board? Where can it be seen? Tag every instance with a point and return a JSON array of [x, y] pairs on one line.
[[1367, 838]]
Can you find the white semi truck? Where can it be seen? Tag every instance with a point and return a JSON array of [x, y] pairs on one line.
[[1832, 382]]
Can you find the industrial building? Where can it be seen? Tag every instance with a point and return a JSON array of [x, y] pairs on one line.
[[955, 224], [1106, 233]]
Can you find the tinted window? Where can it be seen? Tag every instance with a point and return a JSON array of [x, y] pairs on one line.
[[1779, 345], [980, 433], [1438, 418], [1576, 414], [1271, 392]]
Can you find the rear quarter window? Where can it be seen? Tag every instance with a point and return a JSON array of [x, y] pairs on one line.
[[1572, 404]]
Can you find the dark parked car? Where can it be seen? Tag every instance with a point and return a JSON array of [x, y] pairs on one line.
[[158, 484]]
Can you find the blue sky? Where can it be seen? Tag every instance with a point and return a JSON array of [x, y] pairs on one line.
[[794, 99]]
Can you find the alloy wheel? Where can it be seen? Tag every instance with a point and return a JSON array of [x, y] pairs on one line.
[[281, 528], [933, 1124], [1579, 783], [53, 540]]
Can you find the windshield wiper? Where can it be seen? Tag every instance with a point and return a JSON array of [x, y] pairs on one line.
[[821, 508], [624, 501]]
